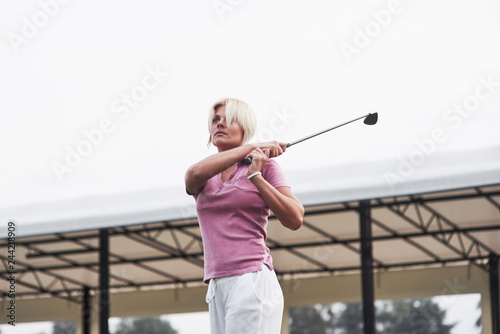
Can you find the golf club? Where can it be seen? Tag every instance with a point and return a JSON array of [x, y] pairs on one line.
[[370, 119]]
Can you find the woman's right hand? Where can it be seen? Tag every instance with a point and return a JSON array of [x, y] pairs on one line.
[[273, 148], [270, 149]]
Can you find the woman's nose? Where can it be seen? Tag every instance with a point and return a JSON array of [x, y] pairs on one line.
[[221, 123]]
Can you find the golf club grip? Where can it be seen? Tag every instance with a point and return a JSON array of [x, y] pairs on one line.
[[248, 160]]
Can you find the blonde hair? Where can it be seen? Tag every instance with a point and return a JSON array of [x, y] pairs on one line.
[[236, 111]]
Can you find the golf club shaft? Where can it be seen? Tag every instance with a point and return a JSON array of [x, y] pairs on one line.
[[248, 160], [324, 131]]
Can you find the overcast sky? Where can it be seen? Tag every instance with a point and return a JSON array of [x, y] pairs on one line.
[[144, 75], [127, 85]]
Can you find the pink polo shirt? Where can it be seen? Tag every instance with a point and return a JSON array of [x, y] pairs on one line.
[[233, 220]]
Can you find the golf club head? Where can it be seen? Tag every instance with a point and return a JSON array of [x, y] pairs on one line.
[[371, 119]]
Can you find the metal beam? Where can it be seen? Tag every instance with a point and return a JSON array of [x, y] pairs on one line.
[[86, 311], [162, 247], [281, 273], [40, 288], [64, 237], [396, 235], [457, 228], [191, 222], [122, 259], [75, 264], [494, 293], [443, 239], [368, 295], [298, 254], [400, 265], [61, 252], [104, 296], [334, 239], [467, 249]]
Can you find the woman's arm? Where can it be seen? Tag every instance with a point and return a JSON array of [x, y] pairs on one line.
[[198, 175], [282, 202]]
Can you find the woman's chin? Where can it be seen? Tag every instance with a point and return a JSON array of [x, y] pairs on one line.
[[224, 146]]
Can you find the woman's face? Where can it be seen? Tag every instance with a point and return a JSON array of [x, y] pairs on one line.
[[225, 136]]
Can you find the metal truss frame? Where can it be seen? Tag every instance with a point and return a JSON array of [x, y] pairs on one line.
[[460, 241]]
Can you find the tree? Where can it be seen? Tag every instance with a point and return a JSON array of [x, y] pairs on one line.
[[479, 323], [149, 325], [307, 320], [411, 316], [350, 319], [66, 327]]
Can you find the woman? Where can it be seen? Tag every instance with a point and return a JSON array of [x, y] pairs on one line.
[[233, 202]]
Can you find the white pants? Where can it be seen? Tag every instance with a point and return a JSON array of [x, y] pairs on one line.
[[246, 304]]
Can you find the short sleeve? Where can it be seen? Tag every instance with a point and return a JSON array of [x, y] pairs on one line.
[[273, 174]]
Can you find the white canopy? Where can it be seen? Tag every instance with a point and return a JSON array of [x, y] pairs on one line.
[[336, 184]]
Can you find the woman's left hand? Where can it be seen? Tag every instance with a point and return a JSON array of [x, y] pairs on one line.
[[262, 153], [260, 158], [283, 203]]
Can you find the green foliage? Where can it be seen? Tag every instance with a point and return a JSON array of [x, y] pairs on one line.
[[478, 322], [350, 319], [412, 317], [66, 327], [401, 316], [307, 320], [144, 326]]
